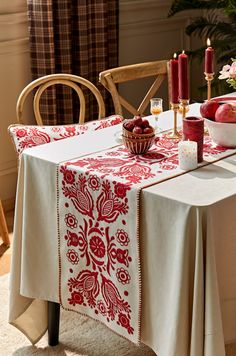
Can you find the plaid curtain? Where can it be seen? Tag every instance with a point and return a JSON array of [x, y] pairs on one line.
[[77, 37]]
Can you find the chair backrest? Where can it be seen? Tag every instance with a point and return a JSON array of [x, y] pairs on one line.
[[111, 77], [70, 80]]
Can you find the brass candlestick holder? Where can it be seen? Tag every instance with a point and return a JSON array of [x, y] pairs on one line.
[[174, 134], [184, 107], [209, 77]]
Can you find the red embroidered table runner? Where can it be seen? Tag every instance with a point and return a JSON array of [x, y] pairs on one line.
[[98, 229]]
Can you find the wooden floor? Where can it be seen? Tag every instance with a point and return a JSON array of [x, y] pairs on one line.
[[5, 253]]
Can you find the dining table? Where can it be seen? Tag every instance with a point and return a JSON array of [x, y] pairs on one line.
[[182, 262]]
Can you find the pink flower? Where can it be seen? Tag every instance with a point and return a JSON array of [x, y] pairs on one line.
[[224, 73], [226, 67], [232, 70], [228, 72]]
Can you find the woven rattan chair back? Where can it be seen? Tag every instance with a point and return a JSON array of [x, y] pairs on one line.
[[112, 77], [67, 79]]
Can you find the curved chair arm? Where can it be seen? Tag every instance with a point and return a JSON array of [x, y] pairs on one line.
[[110, 78]]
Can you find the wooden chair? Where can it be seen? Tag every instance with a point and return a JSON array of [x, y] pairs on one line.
[[111, 77], [3, 227], [70, 80]]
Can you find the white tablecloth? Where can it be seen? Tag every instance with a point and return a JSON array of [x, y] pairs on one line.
[[188, 249]]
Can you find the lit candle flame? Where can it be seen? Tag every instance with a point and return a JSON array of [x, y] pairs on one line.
[[208, 42], [183, 51], [175, 56]]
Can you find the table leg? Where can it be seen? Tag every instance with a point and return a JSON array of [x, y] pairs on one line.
[[53, 323]]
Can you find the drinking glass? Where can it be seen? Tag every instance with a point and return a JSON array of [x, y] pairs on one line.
[[156, 108]]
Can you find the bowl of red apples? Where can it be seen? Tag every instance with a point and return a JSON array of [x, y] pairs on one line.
[[137, 135], [220, 120]]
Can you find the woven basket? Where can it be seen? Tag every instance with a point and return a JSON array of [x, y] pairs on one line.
[[137, 143]]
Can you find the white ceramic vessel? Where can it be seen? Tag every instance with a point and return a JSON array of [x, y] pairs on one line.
[[223, 134]]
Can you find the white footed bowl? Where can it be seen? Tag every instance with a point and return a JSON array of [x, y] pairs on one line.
[[223, 134]]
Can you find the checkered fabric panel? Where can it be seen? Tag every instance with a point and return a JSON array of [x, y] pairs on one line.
[[77, 37]]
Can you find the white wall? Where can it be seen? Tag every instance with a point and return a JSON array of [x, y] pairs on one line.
[[147, 34], [14, 75]]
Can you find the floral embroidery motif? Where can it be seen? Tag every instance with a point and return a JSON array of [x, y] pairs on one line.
[[123, 275], [69, 176], [108, 204], [25, 136], [104, 165], [93, 182], [78, 192], [121, 189], [209, 148], [93, 243], [134, 173], [98, 194], [87, 284], [71, 221], [91, 251], [73, 256], [101, 307], [76, 298], [72, 239], [97, 246], [112, 298], [21, 133], [125, 322], [122, 237]]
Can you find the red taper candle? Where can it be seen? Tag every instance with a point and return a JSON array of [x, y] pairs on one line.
[[209, 56], [174, 80], [183, 76]]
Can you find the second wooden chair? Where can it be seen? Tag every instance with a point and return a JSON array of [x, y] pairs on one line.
[[111, 77]]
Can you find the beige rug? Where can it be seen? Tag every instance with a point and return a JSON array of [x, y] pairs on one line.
[[79, 336]]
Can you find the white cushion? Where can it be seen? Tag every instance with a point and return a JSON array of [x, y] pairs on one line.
[[25, 136]]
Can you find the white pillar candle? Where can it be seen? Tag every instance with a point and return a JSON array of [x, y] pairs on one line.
[[187, 155]]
